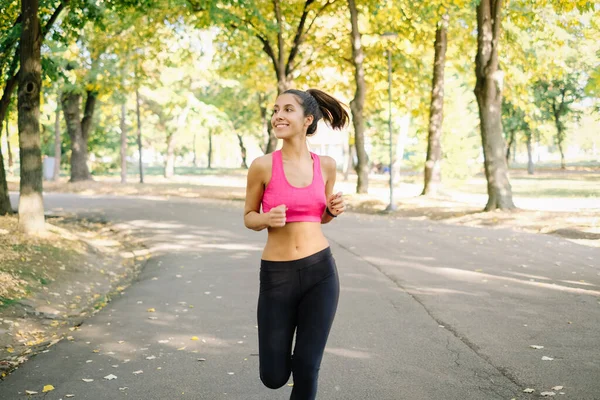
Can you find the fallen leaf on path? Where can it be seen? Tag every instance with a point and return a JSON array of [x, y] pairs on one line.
[[231, 373], [545, 358], [47, 388], [87, 380], [202, 359], [151, 310], [557, 387], [181, 348], [31, 392], [163, 341], [150, 357], [69, 396], [195, 338], [123, 388], [534, 346], [153, 318], [529, 390], [138, 372], [546, 394], [110, 377]]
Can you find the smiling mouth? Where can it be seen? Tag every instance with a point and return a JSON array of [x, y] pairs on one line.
[[281, 125]]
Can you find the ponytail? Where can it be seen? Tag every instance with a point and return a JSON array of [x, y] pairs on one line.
[[321, 105]]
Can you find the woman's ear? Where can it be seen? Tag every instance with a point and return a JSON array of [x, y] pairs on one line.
[[308, 120]]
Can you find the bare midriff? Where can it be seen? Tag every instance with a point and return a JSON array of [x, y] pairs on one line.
[[294, 241]]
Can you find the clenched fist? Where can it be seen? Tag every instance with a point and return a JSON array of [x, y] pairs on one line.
[[335, 203], [277, 216]]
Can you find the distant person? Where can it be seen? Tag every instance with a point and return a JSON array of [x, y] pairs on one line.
[[299, 285]]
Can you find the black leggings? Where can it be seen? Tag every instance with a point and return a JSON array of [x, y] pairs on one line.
[[299, 295]]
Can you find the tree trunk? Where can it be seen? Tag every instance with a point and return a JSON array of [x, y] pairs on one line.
[[563, 164], [488, 91], [529, 155], [243, 151], [9, 88], [400, 145], [5, 206], [123, 126], [31, 204], [270, 139], [57, 142], [357, 104], [11, 161], [170, 161], [433, 167], [12, 81], [509, 147], [347, 154], [210, 148], [195, 151], [560, 133], [79, 152], [171, 140], [139, 132], [265, 122]]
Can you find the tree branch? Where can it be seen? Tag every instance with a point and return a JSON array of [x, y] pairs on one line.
[[299, 37], [281, 69], [11, 83], [54, 17], [496, 18]]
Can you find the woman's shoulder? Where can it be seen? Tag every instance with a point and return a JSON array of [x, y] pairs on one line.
[[262, 162], [327, 162]]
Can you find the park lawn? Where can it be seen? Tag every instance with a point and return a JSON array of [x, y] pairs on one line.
[[544, 184]]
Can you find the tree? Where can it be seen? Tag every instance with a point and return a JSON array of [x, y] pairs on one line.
[[357, 104], [79, 131], [556, 100], [9, 47], [5, 206], [264, 20], [433, 176], [57, 141], [488, 91], [31, 205], [515, 121]]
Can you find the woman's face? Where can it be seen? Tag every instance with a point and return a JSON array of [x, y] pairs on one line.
[[288, 117]]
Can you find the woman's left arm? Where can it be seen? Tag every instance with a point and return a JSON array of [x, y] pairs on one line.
[[335, 202]]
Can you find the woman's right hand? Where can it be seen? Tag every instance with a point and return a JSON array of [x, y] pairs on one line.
[[277, 216]]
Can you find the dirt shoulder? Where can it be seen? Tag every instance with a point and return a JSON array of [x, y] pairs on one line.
[[49, 285]]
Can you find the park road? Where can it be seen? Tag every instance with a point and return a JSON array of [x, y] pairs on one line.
[[427, 311]]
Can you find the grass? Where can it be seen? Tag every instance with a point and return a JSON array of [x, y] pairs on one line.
[[543, 185]]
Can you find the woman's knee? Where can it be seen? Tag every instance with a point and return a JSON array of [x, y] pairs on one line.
[[274, 379]]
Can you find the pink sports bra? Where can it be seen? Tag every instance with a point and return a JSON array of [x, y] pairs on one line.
[[305, 204]]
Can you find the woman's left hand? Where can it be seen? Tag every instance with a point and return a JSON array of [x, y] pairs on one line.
[[336, 204]]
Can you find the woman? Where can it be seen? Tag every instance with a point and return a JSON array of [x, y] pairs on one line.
[[299, 286]]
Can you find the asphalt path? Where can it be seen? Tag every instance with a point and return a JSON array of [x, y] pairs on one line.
[[427, 311]]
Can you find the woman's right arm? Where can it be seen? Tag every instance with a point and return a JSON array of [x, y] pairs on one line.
[[255, 187]]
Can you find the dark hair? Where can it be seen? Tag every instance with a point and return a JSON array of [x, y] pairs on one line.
[[321, 105]]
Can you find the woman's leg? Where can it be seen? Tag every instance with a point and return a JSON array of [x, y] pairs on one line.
[[276, 324], [316, 312]]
